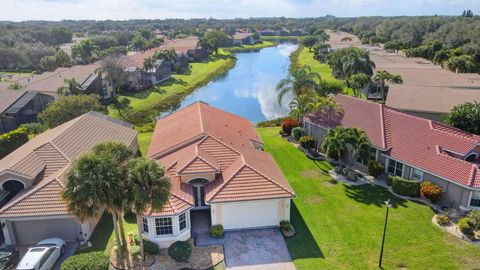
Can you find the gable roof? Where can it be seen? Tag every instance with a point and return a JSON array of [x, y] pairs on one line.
[[48, 155], [419, 142], [9, 97], [203, 139]]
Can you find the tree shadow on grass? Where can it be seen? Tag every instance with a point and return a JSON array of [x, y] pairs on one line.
[[101, 235], [323, 165], [302, 245], [370, 194]]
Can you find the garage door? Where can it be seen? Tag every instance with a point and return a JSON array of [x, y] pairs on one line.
[[32, 231], [250, 214]]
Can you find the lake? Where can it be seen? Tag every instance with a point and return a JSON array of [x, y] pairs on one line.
[[248, 89]]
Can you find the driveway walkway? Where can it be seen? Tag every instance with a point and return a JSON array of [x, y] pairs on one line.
[[257, 249]]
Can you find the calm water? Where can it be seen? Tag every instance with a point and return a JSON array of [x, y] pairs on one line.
[[248, 89]]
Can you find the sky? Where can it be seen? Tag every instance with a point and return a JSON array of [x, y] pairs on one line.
[[20, 10]]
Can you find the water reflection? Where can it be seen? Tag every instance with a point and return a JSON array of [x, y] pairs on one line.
[[248, 89]]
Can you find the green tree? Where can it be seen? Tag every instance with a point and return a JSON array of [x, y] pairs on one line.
[[215, 40], [62, 59], [465, 116], [48, 63], [299, 107], [358, 82], [351, 142], [300, 81], [139, 43], [149, 189], [71, 88], [383, 77], [61, 34], [16, 86], [309, 42], [67, 108], [393, 45], [166, 55], [85, 50], [148, 63], [356, 61], [460, 64], [89, 186], [325, 108]]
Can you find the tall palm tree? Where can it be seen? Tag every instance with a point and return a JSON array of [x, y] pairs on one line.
[[325, 108], [335, 143], [149, 189], [357, 61], [113, 67], [358, 82], [299, 107], [89, 185], [71, 87], [384, 76], [300, 81], [120, 154], [359, 145]]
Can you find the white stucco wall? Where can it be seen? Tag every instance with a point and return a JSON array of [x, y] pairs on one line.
[[166, 240]]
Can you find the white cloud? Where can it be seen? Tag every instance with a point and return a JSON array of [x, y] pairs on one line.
[[18, 10]]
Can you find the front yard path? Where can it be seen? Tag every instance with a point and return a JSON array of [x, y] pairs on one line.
[[340, 226]]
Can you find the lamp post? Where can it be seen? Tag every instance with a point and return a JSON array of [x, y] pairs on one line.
[[387, 203]]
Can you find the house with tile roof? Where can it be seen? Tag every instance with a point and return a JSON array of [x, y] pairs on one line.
[[20, 107], [32, 179], [412, 147], [242, 38], [215, 162]]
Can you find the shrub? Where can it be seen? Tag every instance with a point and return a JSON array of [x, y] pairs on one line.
[[216, 231], [474, 217], [389, 180], [465, 226], [151, 247], [430, 191], [307, 142], [272, 123], [352, 175], [287, 125], [180, 251], [12, 140], [442, 219], [86, 261], [405, 187], [286, 225], [375, 168], [298, 132], [135, 251]]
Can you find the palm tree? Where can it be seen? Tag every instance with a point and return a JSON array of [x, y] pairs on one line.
[[113, 67], [299, 107], [149, 189], [166, 55], [90, 182], [72, 87], [335, 143], [148, 63], [300, 81], [358, 82], [325, 108], [359, 145], [120, 154], [384, 76], [357, 61]]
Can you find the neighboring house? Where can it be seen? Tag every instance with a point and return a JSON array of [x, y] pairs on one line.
[[215, 162], [20, 107], [297, 32], [266, 32], [34, 176], [49, 82], [413, 148], [241, 38], [283, 32]]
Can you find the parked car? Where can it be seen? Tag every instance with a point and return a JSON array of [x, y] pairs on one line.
[[43, 255], [8, 258]]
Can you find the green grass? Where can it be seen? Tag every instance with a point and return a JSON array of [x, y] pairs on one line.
[[305, 58], [280, 37], [200, 74], [144, 141], [340, 226], [246, 48], [103, 236]]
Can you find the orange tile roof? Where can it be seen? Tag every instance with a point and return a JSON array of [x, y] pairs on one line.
[[47, 156], [211, 140]]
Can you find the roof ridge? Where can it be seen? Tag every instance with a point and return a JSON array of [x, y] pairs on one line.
[[202, 124], [383, 129], [431, 123], [56, 148], [221, 187]]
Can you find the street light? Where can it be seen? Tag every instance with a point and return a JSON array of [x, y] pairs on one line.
[[387, 203]]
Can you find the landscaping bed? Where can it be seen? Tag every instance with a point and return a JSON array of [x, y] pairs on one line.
[[201, 258]]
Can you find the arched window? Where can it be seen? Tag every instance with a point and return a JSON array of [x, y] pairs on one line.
[[198, 181], [471, 157], [13, 186]]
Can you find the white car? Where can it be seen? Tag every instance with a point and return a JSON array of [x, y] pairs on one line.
[[43, 256]]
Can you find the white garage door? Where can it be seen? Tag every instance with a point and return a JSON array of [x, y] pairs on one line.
[[250, 214], [32, 231]]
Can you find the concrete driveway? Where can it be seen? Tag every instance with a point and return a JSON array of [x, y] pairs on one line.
[[257, 249]]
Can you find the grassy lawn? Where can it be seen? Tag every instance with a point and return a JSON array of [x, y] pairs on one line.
[[305, 58], [246, 48], [144, 142], [340, 226], [200, 74]]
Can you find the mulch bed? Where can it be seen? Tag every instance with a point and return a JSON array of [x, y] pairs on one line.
[[202, 258]]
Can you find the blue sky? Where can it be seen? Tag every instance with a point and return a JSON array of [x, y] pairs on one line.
[[18, 10]]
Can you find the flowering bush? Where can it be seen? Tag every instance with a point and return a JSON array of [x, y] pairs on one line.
[[442, 219], [307, 142], [430, 191], [287, 125]]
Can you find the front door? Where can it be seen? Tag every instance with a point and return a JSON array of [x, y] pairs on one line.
[[199, 196]]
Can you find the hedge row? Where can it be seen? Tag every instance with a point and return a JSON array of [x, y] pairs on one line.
[[86, 261], [12, 140], [405, 187]]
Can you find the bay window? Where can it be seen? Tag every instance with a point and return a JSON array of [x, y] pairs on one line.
[[475, 199], [182, 222], [163, 226]]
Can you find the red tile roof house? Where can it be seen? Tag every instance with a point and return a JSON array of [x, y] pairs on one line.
[[414, 148], [215, 161], [241, 38], [34, 175]]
